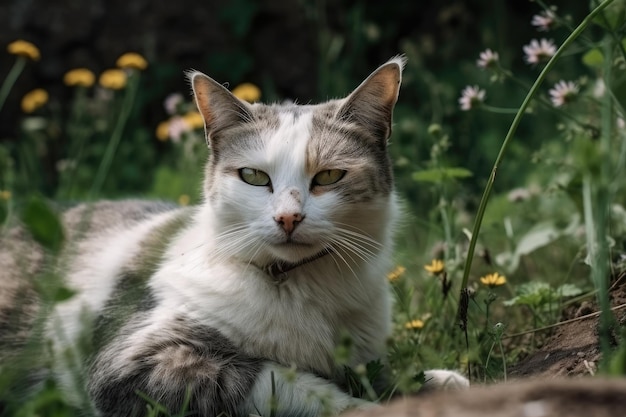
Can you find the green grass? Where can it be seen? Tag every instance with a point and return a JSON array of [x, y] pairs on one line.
[[542, 205]]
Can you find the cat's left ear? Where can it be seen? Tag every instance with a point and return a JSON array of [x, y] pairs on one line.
[[371, 104]]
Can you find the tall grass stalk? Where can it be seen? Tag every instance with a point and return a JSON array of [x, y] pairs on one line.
[[463, 305], [11, 78], [116, 136]]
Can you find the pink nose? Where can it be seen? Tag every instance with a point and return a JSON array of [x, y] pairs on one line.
[[289, 221]]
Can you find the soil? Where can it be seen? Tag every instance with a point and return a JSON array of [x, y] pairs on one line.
[[573, 347]]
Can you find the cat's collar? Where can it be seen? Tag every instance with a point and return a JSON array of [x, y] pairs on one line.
[[278, 270]]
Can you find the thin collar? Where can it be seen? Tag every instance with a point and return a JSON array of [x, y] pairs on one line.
[[278, 270]]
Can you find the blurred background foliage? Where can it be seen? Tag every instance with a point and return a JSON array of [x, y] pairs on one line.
[[302, 50]]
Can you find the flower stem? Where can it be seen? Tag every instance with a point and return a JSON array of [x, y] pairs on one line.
[[116, 136], [12, 76], [494, 109], [516, 121]]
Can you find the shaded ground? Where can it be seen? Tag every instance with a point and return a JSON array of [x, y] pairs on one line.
[[573, 348]]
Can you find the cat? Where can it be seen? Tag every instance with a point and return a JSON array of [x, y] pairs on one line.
[[234, 307]]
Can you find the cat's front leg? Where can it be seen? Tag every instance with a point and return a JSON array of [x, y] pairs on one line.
[[285, 392], [184, 366]]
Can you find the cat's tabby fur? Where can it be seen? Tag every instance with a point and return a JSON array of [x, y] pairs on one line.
[[235, 306]]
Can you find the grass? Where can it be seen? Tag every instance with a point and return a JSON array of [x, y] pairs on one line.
[[543, 229]]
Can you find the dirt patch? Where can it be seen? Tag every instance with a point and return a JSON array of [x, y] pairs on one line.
[[573, 347], [582, 397]]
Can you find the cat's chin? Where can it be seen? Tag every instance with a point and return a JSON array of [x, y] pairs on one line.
[[294, 251]]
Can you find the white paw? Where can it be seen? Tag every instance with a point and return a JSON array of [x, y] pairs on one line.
[[442, 379]]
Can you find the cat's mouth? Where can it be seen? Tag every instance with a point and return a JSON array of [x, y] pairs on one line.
[[289, 243], [293, 250]]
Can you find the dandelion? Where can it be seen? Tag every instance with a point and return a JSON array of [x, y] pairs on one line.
[[471, 97], [132, 60], [396, 273], [544, 21], [247, 92], [436, 267], [539, 51], [24, 49], [81, 77], [183, 200], [563, 92], [162, 131], [34, 100], [493, 280], [488, 59], [113, 79], [194, 120], [414, 324], [5, 195], [172, 102]]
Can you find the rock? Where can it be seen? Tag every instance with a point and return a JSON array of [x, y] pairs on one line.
[[581, 397]]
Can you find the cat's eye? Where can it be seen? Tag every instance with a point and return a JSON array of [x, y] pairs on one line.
[[328, 177], [254, 177]]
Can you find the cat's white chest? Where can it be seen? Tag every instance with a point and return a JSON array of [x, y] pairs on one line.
[[297, 322]]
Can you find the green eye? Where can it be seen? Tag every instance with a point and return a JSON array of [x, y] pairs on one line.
[[328, 177], [254, 177]]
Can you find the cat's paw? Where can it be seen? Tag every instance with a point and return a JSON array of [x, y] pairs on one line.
[[442, 379]]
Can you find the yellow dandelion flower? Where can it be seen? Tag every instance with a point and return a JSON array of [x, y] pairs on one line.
[[132, 60], [396, 273], [25, 49], [5, 195], [414, 324], [194, 120], [436, 267], [183, 200], [34, 100], [163, 131], [247, 92], [115, 79], [81, 77], [493, 280]]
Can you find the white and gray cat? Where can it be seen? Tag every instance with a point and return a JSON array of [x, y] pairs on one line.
[[235, 306]]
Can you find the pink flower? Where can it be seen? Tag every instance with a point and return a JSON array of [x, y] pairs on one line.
[[563, 92], [544, 21], [539, 51], [176, 128], [172, 102], [487, 59], [471, 97]]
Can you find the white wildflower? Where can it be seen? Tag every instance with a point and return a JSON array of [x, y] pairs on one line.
[[172, 102], [563, 92], [539, 51], [487, 59], [544, 21], [471, 97]]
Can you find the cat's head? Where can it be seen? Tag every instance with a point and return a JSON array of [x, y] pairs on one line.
[[288, 181]]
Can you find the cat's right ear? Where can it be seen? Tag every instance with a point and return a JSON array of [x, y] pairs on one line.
[[218, 106]]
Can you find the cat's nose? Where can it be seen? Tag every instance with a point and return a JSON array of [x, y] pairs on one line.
[[288, 221]]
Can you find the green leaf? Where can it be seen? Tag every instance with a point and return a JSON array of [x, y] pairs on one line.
[[43, 223], [441, 174], [593, 58], [568, 290]]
